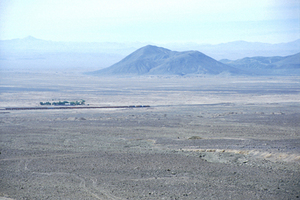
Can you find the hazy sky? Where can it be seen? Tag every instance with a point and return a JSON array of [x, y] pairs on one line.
[[158, 21]]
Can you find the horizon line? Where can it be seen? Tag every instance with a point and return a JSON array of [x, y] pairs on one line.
[[149, 42]]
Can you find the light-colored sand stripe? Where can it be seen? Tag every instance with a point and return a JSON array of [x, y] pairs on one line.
[[265, 155]]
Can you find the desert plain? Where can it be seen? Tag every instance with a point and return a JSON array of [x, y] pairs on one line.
[[203, 137]]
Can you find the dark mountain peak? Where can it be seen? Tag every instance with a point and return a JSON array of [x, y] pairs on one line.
[[148, 53], [149, 46], [151, 49]]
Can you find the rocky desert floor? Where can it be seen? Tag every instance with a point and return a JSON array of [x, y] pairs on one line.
[[201, 138]]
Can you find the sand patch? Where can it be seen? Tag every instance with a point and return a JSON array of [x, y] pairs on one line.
[[274, 157], [5, 198]]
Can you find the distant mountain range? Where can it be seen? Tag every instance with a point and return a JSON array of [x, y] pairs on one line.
[[37, 54], [276, 65], [240, 49], [153, 60], [32, 53]]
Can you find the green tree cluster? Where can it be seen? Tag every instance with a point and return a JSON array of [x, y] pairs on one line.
[[63, 103]]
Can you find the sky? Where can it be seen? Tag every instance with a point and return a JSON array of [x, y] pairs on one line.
[[156, 21]]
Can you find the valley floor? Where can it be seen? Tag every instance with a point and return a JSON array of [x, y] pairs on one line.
[[202, 138]]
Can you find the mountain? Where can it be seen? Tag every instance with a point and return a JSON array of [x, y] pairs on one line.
[[276, 65], [38, 54], [240, 49], [153, 60]]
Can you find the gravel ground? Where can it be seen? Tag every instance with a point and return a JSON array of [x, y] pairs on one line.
[[238, 149]]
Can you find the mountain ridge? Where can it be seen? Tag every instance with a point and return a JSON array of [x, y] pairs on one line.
[[153, 60], [34, 53], [230, 50], [275, 65]]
